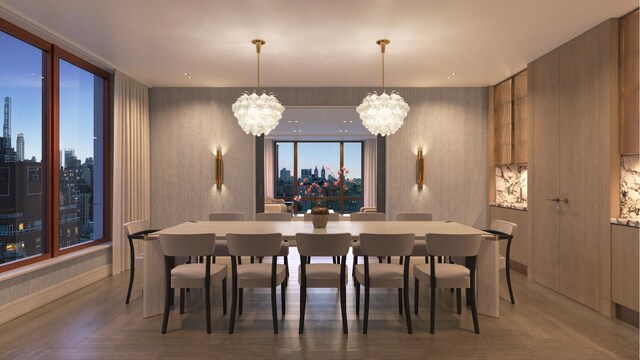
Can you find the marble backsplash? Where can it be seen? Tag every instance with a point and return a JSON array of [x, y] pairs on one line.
[[511, 185], [630, 186]]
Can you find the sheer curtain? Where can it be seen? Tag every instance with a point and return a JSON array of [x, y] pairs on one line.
[[370, 161], [268, 168], [131, 162]]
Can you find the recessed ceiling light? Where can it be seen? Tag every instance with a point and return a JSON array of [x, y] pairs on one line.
[[346, 130], [340, 130], [186, 74], [289, 121], [296, 121], [189, 77], [344, 121], [453, 74], [350, 121]]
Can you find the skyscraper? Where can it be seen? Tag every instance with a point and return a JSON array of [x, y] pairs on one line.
[[6, 126], [322, 173], [20, 147], [315, 172]]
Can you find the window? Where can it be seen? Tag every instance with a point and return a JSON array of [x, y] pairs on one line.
[[51, 100], [320, 163]]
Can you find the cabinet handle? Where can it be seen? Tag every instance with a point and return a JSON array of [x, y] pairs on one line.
[[565, 200], [554, 199]]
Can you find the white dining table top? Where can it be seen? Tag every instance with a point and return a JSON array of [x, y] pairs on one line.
[[289, 229]]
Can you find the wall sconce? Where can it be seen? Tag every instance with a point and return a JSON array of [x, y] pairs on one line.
[[420, 169], [219, 169]]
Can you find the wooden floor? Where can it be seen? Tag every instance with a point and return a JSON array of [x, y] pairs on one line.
[[94, 323]]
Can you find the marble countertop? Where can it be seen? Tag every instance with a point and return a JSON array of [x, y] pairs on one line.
[[522, 207], [626, 221]]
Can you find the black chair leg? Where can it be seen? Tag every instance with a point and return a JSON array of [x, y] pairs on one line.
[[286, 265], [224, 296], [234, 303], [181, 300], [303, 305], [167, 296], [400, 301], [416, 294], [343, 307], [508, 270], [274, 309], [433, 308], [366, 309], [132, 264], [357, 285], [474, 311], [407, 309], [282, 297], [207, 305], [459, 301], [240, 293]]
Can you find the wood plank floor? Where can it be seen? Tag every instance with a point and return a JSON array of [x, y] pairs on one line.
[[94, 323]]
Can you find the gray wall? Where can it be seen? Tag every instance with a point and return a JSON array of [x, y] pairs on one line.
[[187, 124]]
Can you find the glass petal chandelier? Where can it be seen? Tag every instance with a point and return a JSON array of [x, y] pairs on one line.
[[383, 114], [257, 114]]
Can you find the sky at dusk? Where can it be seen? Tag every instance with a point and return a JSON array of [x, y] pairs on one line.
[[320, 154], [21, 80]]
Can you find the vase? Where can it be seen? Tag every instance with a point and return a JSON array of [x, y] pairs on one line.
[[320, 216]]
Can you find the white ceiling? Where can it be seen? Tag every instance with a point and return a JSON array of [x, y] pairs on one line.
[[321, 43], [320, 123]]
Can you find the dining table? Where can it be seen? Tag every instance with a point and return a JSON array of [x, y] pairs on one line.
[[487, 288]]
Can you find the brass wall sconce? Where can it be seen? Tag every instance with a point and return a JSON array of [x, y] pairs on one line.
[[420, 169], [219, 169]]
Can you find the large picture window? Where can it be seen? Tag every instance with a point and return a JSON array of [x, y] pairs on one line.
[[53, 155], [330, 172]]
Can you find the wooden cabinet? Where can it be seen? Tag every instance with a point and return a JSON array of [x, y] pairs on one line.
[[502, 122], [520, 119], [624, 266], [570, 177], [629, 85]]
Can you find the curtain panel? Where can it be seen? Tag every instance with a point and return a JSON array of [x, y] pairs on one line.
[[131, 162]]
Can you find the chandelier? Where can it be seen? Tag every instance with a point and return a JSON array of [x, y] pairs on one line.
[[383, 114], [257, 114]]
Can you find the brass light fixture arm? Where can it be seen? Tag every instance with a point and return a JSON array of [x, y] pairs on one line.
[[258, 43], [383, 45]]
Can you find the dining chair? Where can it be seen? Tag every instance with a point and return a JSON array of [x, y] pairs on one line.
[[323, 275], [135, 230], [190, 276], [284, 246], [221, 245], [355, 247], [384, 275], [419, 248], [256, 275], [504, 231], [443, 275]]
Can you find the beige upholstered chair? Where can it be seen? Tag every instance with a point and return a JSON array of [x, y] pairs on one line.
[[504, 231], [284, 246], [363, 216], [419, 247], [454, 276], [332, 217], [189, 276], [256, 275], [135, 230], [368, 209], [323, 275], [273, 216], [221, 245], [226, 216], [384, 275]]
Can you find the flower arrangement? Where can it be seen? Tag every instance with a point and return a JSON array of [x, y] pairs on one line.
[[324, 187]]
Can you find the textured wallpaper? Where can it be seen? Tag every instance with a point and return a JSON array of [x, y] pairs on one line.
[[187, 124]]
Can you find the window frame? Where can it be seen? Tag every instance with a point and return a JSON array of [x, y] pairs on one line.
[[51, 55], [341, 198]]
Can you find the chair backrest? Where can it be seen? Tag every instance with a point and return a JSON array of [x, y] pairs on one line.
[[254, 244], [187, 244], [323, 244], [273, 217], [453, 244], [226, 216], [387, 244], [368, 216], [413, 216], [503, 226], [331, 217], [136, 226]]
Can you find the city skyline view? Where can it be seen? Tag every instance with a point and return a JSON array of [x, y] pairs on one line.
[[320, 154], [21, 80]]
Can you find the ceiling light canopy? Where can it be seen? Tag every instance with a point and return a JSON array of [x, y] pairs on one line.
[[383, 114], [257, 114]]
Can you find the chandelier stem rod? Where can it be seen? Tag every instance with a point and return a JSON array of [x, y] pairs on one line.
[[383, 71], [258, 72]]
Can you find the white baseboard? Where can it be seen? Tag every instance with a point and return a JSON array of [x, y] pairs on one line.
[[31, 302]]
